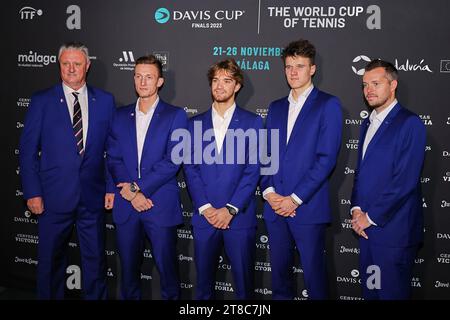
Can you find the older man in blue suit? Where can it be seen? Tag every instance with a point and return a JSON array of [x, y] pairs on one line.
[[222, 174], [147, 195], [297, 208], [386, 198], [63, 174]]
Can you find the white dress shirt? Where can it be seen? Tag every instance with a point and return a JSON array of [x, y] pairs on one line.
[[142, 123], [375, 119], [294, 110], [83, 100], [220, 126]]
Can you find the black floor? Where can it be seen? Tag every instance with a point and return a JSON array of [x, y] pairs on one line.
[[16, 294]]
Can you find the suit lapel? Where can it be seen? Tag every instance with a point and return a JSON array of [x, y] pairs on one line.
[[92, 114], [381, 130], [299, 122], [131, 124], [284, 112], [234, 124]]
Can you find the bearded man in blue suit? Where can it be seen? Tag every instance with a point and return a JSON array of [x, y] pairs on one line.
[[222, 182], [63, 174], [140, 160], [386, 198], [297, 209]]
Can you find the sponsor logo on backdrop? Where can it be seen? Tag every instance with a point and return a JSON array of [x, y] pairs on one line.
[[296, 270], [191, 111], [73, 21], [344, 249], [345, 202], [263, 291], [352, 278], [34, 60], [27, 238], [262, 112], [184, 285], [427, 148], [23, 102], [445, 66], [19, 193], [146, 277], [187, 214], [360, 62], [325, 17], [426, 119], [25, 260], [147, 254], [443, 258], [184, 234], [162, 56], [443, 236], [110, 253], [74, 279], [413, 65], [363, 115], [424, 203], [445, 204], [419, 260], [415, 282], [350, 298], [223, 265], [446, 177], [27, 218], [19, 125], [445, 153], [263, 266], [110, 273], [29, 13], [348, 170], [352, 144], [182, 257], [425, 180], [199, 19], [346, 224], [439, 284], [125, 61], [110, 226], [448, 121], [223, 286], [72, 244], [263, 242]]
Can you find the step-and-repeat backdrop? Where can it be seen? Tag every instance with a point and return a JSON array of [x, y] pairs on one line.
[[188, 36]]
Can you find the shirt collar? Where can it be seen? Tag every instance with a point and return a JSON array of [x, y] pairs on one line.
[[227, 113], [305, 95], [68, 90], [152, 108], [383, 114]]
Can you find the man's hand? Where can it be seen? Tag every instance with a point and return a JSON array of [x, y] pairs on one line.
[[273, 199], [222, 218], [286, 207], [360, 222], [36, 205], [109, 201], [126, 192], [141, 203]]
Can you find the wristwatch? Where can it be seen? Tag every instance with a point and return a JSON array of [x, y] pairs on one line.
[[231, 210], [134, 187]]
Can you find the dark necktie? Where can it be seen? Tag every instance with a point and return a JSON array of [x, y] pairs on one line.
[[78, 124]]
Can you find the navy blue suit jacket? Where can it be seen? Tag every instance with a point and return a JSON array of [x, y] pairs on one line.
[[59, 174], [220, 184], [158, 172], [387, 180], [307, 161]]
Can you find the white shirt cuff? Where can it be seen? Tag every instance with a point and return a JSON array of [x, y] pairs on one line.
[[268, 190], [229, 204], [204, 207], [297, 199], [370, 220], [354, 208]]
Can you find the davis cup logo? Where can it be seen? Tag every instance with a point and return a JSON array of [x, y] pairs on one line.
[[162, 15]]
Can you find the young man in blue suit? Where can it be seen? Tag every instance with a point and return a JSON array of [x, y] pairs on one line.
[[63, 174], [147, 195], [297, 208], [222, 174], [386, 198]]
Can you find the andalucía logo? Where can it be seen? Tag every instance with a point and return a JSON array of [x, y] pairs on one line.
[[162, 15]]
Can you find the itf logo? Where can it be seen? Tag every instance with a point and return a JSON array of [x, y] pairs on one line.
[[28, 13], [162, 15]]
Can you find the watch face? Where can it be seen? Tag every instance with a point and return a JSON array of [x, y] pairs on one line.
[[231, 210], [133, 187]]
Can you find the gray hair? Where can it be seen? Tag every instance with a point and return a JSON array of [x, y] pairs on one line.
[[74, 46]]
